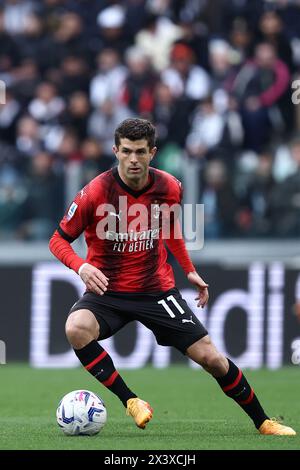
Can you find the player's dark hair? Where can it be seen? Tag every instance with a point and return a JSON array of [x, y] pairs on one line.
[[135, 129]]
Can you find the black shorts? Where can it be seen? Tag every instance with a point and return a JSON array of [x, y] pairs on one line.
[[167, 315]]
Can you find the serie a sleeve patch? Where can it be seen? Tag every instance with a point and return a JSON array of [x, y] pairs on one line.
[[72, 210]]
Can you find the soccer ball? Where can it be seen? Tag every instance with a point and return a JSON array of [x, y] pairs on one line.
[[81, 413]]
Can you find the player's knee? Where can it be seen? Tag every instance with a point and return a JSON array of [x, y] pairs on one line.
[[206, 354], [213, 362], [78, 332], [73, 331]]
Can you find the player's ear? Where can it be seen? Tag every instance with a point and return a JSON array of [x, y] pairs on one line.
[[115, 150], [153, 152]]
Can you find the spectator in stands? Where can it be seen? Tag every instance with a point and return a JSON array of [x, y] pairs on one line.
[[171, 116], [70, 38], [156, 39], [109, 79], [9, 51], [290, 14], [16, 13], [95, 161], [195, 36], [44, 199], [212, 134], [26, 80], [223, 72], [111, 22], [159, 7], [103, 122], [77, 113], [28, 140], [219, 200], [9, 114], [136, 15], [259, 87], [258, 196], [47, 105], [74, 75], [12, 197], [285, 200], [88, 11], [138, 90], [187, 10], [35, 43], [68, 148], [219, 15], [183, 76], [12, 167], [271, 30], [240, 38]]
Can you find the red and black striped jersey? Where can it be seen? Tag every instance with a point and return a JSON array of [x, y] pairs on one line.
[[123, 229]]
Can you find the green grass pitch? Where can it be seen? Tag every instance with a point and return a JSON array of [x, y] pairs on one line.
[[190, 411]]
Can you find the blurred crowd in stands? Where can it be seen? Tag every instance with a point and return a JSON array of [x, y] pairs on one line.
[[214, 76]]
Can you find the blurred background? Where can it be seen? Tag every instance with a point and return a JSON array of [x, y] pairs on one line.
[[218, 78]]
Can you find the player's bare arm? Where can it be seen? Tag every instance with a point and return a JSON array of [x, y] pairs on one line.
[[93, 278], [178, 248], [202, 287]]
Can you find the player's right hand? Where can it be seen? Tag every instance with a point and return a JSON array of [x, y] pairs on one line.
[[94, 279]]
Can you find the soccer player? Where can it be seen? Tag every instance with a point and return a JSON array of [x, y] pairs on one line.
[[127, 276]]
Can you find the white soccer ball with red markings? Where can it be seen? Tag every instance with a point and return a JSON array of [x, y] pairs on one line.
[[81, 412]]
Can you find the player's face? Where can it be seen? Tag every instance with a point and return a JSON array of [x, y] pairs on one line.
[[134, 158]]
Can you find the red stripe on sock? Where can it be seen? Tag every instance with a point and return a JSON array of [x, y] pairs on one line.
[[95, 361], [245, 402], [233, 384], [111, 379]]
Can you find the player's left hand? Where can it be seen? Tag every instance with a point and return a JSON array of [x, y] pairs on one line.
[[202, 287]]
